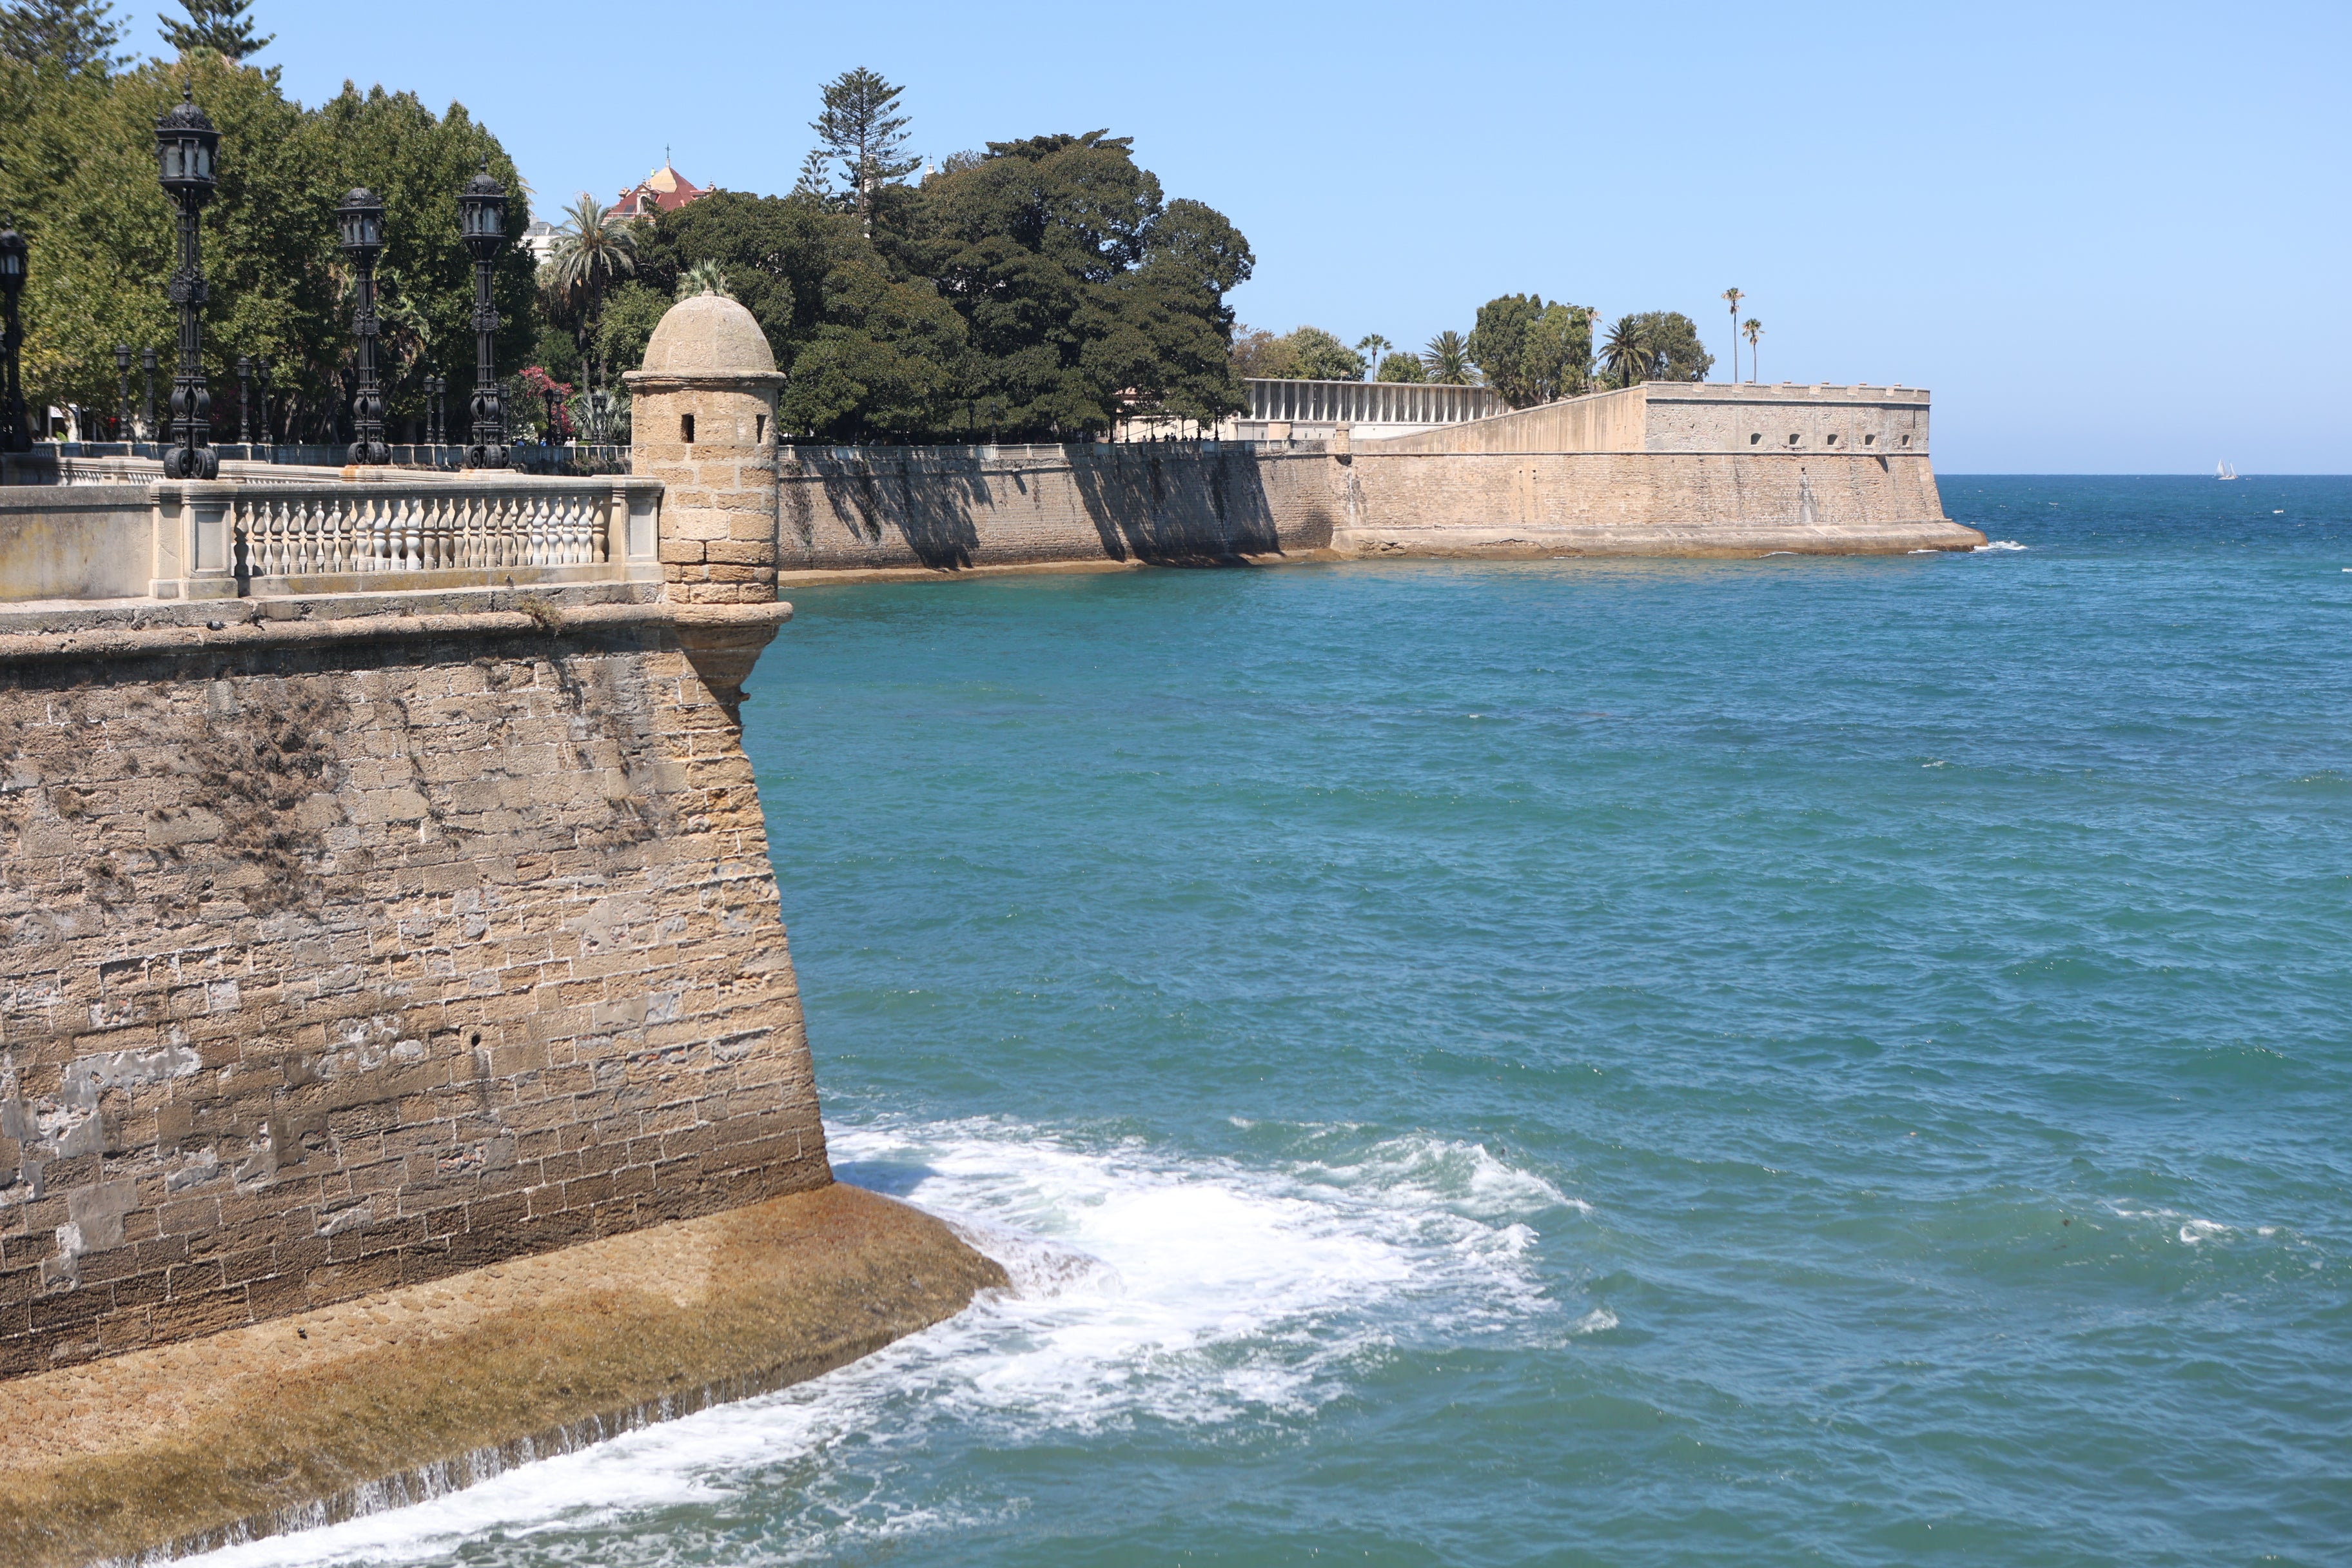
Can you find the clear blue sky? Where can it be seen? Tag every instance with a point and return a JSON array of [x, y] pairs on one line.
[[2109, 239]]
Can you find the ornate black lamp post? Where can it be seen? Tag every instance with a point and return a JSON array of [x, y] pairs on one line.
[[482, 222], [122, 426], [16, 430], [243, 401], [147, 408], [363, 224], [261, 368], [433, 385], [184, 145]]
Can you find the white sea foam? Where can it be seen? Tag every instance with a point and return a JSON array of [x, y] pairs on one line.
[[1146, 1290], [1998, 544], [2192, 1230]]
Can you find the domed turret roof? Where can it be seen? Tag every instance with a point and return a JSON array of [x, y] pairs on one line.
[[708, 334]]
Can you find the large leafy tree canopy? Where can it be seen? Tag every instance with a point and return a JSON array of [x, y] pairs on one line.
[[72, 38], [80, 181], [1672, 339], [1303, 353], [1533, 352], [1044, 287], [1041, 289]]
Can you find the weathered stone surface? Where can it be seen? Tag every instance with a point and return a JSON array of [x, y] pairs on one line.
[[955, 508], [338, 954], [705, 426], [421, 1389]]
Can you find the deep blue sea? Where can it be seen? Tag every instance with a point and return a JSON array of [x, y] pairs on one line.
[[1795, 1061]]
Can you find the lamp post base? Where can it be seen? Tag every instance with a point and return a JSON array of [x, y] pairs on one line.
[[192, 463]]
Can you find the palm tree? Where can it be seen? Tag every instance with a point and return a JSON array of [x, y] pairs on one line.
[[703, 277], [597, 246], [1629, 351], [1448, 359], [1373, 346], [1755, 329], [1735, 296]]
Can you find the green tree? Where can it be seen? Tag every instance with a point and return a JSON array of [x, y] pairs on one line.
[[1754, 330], [861, 130], [417, 162], [1252, 355], [77, 38], [631, 314], [1447, 359], [1308, 353], [1732, 298], [1085, 296], [1676, 352], [220, 26], [1629, 353], [882, 362], [777, 252], [597, 247], [703, 277], [1373, 346], [1498, 341], [1530, 351], [82, 182], [1402, 367]]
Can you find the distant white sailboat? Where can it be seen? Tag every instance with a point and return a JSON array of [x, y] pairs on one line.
[[2223, 470]]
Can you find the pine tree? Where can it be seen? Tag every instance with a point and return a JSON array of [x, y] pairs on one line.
[[860, 130], [79, 35], [218, 25]]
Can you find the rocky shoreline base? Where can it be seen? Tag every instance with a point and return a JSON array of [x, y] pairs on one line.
[[409, 1393]]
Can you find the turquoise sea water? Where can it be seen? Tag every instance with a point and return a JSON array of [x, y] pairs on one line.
[[1798, 1061]]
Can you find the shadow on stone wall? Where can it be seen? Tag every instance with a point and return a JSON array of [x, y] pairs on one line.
[[937, 511], [1185, 508], [1165, 506]]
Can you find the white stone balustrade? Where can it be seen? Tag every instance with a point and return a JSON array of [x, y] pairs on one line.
[[383, 530], [284, 533], [377, 534]]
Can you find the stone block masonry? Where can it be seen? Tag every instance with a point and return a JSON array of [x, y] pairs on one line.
[[341, 955]]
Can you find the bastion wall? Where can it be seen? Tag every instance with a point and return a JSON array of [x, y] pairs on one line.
[[952, 508], [346, 950]]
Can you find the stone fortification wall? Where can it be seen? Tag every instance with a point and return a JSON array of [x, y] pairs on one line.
[[869, 508], [1637, 503], [341, 950], [954, 508], [1700, 416]]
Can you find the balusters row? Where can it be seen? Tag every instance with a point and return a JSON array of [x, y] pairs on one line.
[[286, 534]]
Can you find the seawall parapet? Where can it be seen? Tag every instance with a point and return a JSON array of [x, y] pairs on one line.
[[1684, 471]]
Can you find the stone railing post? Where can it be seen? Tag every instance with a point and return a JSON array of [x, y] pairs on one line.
[[633, 528], [195, 556]]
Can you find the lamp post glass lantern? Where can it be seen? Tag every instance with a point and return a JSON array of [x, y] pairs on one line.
[[185, 143], [482, 224], [16, 430], [360, 216]]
